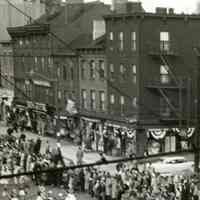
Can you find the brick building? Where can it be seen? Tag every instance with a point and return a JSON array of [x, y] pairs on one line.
[[153, 63], [45, 57], [6, 69]]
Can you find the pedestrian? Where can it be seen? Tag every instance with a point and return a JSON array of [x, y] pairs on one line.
[[37, 146], [79, 156]]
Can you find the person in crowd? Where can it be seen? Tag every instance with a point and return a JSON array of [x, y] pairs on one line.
[[79, 156], [37, 146]]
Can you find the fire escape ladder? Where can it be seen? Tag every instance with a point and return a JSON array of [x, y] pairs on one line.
[[168, 101], [166, 63]]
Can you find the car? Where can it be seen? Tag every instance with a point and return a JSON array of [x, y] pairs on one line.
[[173, 165]]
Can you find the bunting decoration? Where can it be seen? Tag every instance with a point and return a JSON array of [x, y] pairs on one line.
[[158, 134], [185, 132]]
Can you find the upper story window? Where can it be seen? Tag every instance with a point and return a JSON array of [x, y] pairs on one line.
[[50, 62], [43, 63], [111, 36], [164, 74], [27, 41], [111, 72], [164, 41], [93, 99], [102, 69], [72, 73], [83, 69], [133, 41], [134, 71], [135, 102], [121, 41], [102, 100], [122, 100], [21, 42], [58, 72], [92, 70], [36, 60], [64, 73], [122, 71], [84, 98], [112, 99]]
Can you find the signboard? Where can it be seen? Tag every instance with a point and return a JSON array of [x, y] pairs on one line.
[[36, 106]]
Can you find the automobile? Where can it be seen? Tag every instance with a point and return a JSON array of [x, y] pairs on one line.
[[173, 165]]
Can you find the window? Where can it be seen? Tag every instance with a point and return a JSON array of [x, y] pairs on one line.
[[35, 60], [111, 72], [64, 73], [27, 41], [93, 99], [102, 100], [134, 71], [59, 95], [92, 70], [121, 41], [164, 41], [58, 72], [72, 73], [84, 98], [133, 41], [21, 42], [112, 98], [43, 63], [111, 36], [83, 68], [50, 62], [28, 88], [135, 102], [164, 74], [122, 71], [101, 69], [122, 100], [164, 108]]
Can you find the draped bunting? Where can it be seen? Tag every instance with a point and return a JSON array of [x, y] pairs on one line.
[[158, 134], [185, 132]]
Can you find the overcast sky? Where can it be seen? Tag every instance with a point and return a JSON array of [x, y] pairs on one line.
[[186, 6]]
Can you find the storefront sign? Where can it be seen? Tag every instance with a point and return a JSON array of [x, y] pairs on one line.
[[36, 106]]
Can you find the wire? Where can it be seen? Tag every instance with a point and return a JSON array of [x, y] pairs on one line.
[[142, 159]]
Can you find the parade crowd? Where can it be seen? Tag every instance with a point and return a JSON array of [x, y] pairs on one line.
[[128, 182]]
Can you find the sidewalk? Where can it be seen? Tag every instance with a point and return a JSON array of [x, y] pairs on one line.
[[69, 150]]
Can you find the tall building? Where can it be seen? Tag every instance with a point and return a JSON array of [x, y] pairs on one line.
[[152, 63], [46, 60]]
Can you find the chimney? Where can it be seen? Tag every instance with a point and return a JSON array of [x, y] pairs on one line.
[[161, 10], [99, 28], [171, 11], [118, 5], [132, 7]]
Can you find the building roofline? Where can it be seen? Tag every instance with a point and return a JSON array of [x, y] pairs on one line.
[[152, 15], [40, 28]]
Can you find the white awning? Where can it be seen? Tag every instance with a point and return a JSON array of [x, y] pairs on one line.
[[42, 83], [90, 119]]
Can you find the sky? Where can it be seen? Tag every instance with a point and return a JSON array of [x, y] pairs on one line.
[[186, 6]]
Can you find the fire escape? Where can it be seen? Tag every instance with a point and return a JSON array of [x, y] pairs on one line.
[[165, 54]]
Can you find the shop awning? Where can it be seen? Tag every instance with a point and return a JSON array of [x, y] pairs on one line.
[[116, 124], [90, 119], [41, 83]]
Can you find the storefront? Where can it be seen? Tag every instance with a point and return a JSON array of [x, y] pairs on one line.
[[165, 140]]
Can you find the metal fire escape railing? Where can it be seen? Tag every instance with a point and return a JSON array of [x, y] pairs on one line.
[[178, 111]]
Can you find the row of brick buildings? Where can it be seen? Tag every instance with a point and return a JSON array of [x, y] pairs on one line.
[[138, 72]]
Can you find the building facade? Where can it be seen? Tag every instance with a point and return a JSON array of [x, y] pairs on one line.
[[152, 64], [6, 69], [45, 57]]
